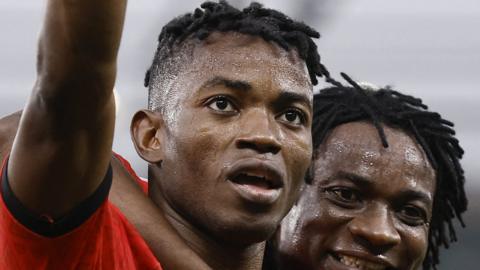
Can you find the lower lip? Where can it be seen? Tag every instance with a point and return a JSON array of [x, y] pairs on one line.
[[256, 194]]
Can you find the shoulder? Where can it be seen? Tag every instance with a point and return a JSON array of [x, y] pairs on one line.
[[142, 182], [8, 129], [9, 125]]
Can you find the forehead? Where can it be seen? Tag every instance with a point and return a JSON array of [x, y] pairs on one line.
[[247, 58], [356, 148]]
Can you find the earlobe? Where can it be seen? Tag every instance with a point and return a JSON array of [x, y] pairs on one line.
[[146, 130]]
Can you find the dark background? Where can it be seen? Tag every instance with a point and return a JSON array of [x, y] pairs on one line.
[[428, 48]]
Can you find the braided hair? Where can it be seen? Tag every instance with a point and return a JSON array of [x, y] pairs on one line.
[[342, 104], [255, 20]]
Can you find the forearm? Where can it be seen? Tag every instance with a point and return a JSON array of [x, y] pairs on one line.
[[83, 28], [78, 50], [164, 241], [63, 145]]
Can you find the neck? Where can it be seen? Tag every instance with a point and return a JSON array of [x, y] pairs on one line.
[[216, 253]]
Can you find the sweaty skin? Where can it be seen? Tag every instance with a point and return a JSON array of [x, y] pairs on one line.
[[307, 220], [69, 118], [241, 110], [125, 193], [245, 106], [368, 205]]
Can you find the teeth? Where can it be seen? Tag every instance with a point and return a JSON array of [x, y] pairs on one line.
[[255, 180], [257, 176], [360, 264]]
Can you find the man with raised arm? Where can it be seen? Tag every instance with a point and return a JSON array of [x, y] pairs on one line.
[[53, 213]]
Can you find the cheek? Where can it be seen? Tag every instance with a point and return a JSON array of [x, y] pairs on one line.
[[416, 244], [200, 151], [295, 240], [297, 156], [311, 228], [195, 148], [322, 223], [297, 152]]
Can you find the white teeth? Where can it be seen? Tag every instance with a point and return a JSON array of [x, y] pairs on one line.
[[360, 264], [258, 176], [261, 177]]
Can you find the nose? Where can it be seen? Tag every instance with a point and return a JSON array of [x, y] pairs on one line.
[[375, 229], [258, 133]]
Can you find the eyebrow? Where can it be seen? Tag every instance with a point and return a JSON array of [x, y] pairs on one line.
[[232, 84], [405, 195], [355, 178], [288, 97], [409, 195]]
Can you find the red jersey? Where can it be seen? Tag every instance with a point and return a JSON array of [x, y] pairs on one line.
[[103, 240]]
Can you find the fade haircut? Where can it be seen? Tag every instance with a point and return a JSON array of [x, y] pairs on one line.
[[255, 20], [343, 104]]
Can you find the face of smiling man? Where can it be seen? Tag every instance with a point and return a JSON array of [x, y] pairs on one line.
[[234, 143], [367, 208]]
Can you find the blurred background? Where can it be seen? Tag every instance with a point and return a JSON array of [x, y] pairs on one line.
[[425, 48]]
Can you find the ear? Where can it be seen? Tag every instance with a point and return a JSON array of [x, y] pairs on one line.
[[147, 132]]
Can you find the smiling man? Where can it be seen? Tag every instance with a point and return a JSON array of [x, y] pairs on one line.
[[226, 135], [385, 186]]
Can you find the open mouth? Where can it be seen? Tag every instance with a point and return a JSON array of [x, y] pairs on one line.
[[256, 182], [354, 262]]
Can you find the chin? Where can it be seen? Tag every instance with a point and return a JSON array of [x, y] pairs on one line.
[[247, 232]]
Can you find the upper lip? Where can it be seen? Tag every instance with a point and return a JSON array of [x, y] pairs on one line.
[[367, 257], [260, 168]]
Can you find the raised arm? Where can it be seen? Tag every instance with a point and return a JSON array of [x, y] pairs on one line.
[[63, 146]]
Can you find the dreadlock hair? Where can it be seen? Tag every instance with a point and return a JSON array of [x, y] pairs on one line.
[[342, 104], [255, 20]]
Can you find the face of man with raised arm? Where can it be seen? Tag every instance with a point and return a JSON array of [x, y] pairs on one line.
[[368, 207], [237, 142]]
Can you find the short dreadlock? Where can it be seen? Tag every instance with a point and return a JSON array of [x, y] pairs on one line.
[[255, 20], [341, 104]]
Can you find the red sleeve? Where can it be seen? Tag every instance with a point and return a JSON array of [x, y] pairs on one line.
[[105, 240], [46, 225]]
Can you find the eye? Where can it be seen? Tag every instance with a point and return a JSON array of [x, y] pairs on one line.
[[344, 195], [221, 104], [413, 215], [293, 116]]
